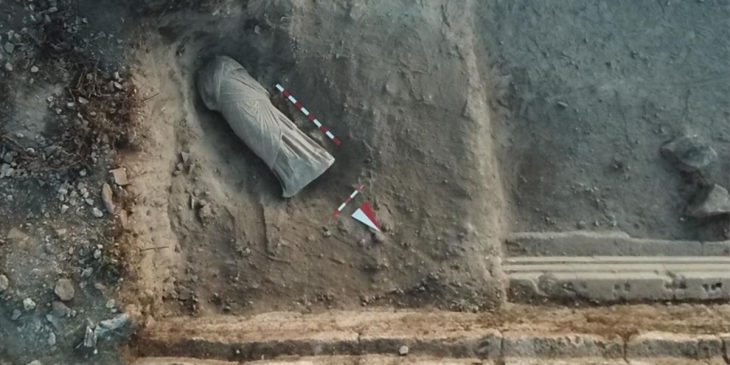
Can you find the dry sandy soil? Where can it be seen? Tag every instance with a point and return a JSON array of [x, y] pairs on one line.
[[464, 120]]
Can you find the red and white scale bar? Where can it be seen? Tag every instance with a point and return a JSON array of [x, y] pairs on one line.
[[349, 199], [308, 114]]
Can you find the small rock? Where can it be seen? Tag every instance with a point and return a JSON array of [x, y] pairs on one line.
[[60, 310], [97, 213], [34, 69], [179, 167], [9, 47], [711, 202], [87, 272], [4, 283], [97, 254], [64, 208], [120, 176], [50, 150], [89, 202], [8, 157], [16, 315], [110, 303], [35, 362], [562, 104], [113, 324], [689, 153], [8, 67], [184, 156], [106, 197], [51, 339], [28, 304], [206, 215], [90, 337], [403, 351], [64, 289]]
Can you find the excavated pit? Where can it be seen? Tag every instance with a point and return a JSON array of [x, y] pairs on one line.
[[415, 130], [438, 106]]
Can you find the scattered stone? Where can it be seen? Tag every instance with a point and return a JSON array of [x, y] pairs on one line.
[[50, 150], [113, 324], [97, 213], [51, 339], [206, 215], [34, 69], [87, 272], [106, 197], [8, 157], [64, 208], [713, 201], [17, 236], [64, 289], [16, 314], [28, 304], [179, 167], [90, 338], [9, 47], [403, 351], [110, 303], [689, 153], [97, 254], [120, 176], [4, 283], [35, 362], [8, 67], [184, 156], [5, 170], [562, 104], [60, 310]]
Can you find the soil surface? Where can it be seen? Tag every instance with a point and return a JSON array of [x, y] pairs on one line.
[[595, 89], [463, 121], [228, 242]]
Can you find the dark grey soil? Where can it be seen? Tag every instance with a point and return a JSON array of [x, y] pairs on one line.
[[596, 88]]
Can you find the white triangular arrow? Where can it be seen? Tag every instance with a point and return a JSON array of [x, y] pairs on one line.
[[362, 217]]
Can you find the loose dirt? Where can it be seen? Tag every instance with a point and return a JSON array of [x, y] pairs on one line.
[[238, 247]]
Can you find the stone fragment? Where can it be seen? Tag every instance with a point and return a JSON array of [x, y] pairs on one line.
[[64, 289], [689, 153], [715, 200]]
